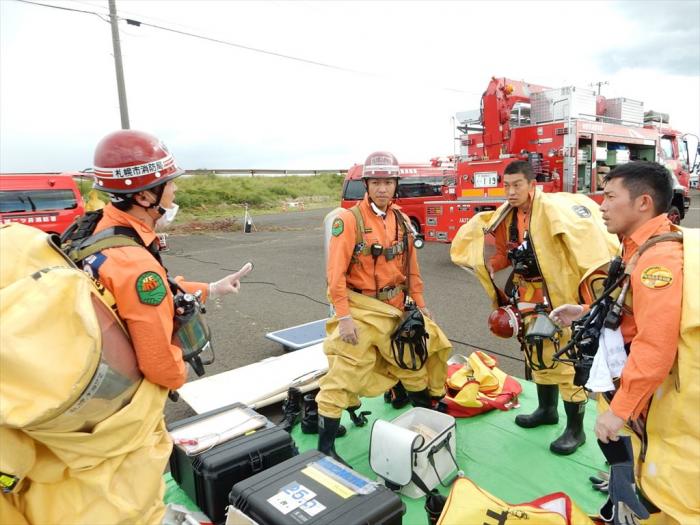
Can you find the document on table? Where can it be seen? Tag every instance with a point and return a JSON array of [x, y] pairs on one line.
[[205, 434]]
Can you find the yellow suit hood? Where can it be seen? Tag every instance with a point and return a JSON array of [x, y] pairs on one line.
[[567, 234]]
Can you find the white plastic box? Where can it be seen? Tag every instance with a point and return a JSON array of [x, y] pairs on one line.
[[420, 442]]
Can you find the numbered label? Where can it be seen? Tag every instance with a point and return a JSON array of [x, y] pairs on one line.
[[292, 496]]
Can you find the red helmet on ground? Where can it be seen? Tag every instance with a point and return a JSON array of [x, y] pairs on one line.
[[505, 322], [129, 161], [381, 165]]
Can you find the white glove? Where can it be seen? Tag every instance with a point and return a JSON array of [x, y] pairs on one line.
[[229, 284], [566, 314]]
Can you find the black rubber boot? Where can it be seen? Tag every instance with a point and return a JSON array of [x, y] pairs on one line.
[[291, 408], [397, 396], [420, 399], [573, 436], [309, 417], [327, 431], [546, 413]]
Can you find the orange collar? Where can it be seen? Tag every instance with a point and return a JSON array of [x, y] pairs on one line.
[[117, 217], [658, 224]]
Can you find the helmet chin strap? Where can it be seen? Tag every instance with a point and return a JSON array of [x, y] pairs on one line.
[[158, 191]]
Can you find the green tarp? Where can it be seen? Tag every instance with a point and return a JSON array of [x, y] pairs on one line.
[[512, 463]]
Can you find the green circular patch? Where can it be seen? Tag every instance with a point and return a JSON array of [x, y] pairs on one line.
[[338, 227], [150, 288]]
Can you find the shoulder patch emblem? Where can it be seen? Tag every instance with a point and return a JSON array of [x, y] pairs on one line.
[[581, 211], [656, 277], [92, 263], [338, 227], [151, 288]]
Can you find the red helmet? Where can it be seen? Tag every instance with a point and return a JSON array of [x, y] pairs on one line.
[[381, 165], [505, 322], [129, 161]]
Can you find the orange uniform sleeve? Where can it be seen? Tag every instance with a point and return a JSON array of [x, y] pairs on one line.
[[499, 260], [416, 281], [657, 314], [339, 254], [192, 287], [150, 326]]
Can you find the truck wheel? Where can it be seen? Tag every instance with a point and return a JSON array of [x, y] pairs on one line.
[[416, 225], [674, 215]]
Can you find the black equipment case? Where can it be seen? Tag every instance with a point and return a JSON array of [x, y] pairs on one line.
[[208, 476], [272, 497]]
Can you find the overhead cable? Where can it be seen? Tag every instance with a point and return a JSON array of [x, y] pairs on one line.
[[344, 69]]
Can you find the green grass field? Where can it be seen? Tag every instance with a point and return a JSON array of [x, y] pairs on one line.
[[205, 197], [210, 196]]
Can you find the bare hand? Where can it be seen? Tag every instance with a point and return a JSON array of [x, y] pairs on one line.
[[489, 269], [231, 283], [427, 313], [566, 314], [348, 331], [608, 426]]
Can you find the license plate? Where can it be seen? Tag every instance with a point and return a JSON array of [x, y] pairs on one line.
[[485, 180]]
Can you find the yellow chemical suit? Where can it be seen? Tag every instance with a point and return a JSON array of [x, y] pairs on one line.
[[669, 474], [568, 237], [368, 368], [468, 503], [82, 437]]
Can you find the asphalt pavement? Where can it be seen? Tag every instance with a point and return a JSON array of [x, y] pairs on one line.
[[287, 287]]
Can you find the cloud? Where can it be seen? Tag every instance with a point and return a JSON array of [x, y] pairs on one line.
[[667, 38]]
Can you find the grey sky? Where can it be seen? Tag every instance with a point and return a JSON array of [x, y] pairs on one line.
[[218, 106], [667, 37]]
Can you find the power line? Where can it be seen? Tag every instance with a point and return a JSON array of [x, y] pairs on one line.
[[98, 15], [240, 46]]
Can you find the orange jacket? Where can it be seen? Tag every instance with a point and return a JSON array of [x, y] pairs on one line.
[[500, 260], [653, 327], [150, 326], [341, 274]]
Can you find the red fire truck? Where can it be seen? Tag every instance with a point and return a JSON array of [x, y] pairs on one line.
[[419, 184], [48, 201], [570, 136]]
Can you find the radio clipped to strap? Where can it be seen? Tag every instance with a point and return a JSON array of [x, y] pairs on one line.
[[362, 248]]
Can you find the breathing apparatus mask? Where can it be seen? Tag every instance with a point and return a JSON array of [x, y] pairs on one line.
[[540, 328], [410, 337], [523, 260], [605, 312], [191, 332]]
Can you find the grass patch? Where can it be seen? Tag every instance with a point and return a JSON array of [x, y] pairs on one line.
[[209, 196], [205, 196]]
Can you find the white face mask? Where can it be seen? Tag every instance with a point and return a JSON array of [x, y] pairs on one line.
[[167, 218]]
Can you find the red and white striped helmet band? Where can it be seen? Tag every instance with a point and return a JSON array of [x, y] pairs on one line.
[[138, 177]]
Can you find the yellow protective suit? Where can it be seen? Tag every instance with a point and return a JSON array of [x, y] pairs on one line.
[[82, 437], [470, 504], [669, 476], [368, 368], [94, 203], [568, 237]]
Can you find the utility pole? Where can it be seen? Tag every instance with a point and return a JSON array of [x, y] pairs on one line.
[[123, 109], [599, 84]]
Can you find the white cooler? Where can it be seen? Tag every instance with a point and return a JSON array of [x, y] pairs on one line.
[[420, 442]]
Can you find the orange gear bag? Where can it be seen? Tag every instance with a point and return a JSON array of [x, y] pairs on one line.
[[479, 386]]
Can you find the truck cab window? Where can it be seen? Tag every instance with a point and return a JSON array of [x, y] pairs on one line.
[[667, 148]]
